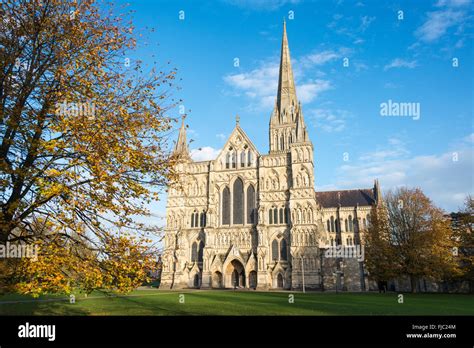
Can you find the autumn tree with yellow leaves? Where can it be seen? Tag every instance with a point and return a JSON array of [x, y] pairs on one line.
[[410, 237], [82, 143]]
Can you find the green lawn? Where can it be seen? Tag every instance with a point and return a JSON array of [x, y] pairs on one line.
[[228, 302]]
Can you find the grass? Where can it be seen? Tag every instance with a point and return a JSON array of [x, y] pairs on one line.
[[228, 302]]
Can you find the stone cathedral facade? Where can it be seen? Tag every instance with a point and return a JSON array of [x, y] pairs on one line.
[[252, 220]]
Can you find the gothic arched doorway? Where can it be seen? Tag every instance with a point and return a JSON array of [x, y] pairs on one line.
[[253, 280], [196, 281], [217, 280], [235, 275], [279, 281]]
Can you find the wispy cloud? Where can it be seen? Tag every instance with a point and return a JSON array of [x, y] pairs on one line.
[[401, 63], [449, 13], [365, 22], [445, 177], [328, 120], [261, 84], [262, 5], [221, 136], [320, 58]]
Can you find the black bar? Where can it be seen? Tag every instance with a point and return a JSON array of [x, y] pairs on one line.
[[261, 330]]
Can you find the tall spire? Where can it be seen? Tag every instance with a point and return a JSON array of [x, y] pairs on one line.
[[286, 84], [181, 148], [286, 122]]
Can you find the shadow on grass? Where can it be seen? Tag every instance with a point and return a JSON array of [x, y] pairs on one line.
[[42, 308]]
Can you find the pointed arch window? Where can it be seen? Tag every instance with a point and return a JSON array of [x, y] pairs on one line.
[[249, 158], [283, 250], [242, 159], [227, 160], [275, 215], [328, 225], [195, 219], [194, 252], [226, 206], [281, 216], [332, 224], [251, 205], [287, 215], [275, 250], [238, 202], [200, 251], [203, 219], [270, 216], [234, 159], [351, 224]]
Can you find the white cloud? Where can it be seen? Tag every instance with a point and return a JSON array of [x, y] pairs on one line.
[[449, 13], [438, 23], [320, 58], [401, 63], [308, 91], [446, 177], [261, 85], [205, 153], [328, 120]]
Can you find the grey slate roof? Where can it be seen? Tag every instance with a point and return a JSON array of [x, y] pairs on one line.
[[346, 198]]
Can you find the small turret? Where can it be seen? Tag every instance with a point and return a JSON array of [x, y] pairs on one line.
[[181, 148]]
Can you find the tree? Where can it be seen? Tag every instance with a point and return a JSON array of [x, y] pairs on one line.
[[463, 223], [83, 132], [418, 239], [378, 248]]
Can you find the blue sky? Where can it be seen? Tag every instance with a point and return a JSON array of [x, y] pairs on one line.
[[403, 60]]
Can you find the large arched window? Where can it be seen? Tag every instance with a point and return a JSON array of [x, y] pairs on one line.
[[283, 250], [200, 251], [226, 206], [238, 202], [275, 250], [227, 160], [194, 252], [250, 205], [242, 159], [234, 159]]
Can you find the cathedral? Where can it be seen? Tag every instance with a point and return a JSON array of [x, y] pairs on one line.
[[252, 220]]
